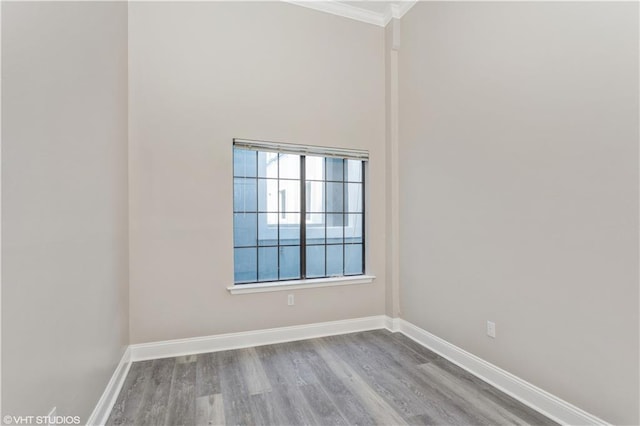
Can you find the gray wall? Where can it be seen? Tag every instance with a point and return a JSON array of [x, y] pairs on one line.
[[201, 74], [64, 199], [519, 203]]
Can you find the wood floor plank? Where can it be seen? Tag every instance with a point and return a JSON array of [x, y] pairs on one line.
[[181, 408], [323, 408], [375, 404], [529, 415], [457, 395], [470, 395], [407, 405], [450, 408], [412, 395], [207, 375], [423, 419], [342, 397], [128, 402], [237, 404], [267, 410], [500, 398], [252, 372], [304, 374], [238, 411], [153, 408], [399, 359], [274, 367], [210, 410], [285, 392], [290, 406], [264, 413]]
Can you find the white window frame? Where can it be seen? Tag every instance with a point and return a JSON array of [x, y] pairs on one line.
[[307, 283]]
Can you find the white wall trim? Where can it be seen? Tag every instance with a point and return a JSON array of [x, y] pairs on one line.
[[108, 399], [357, 13], [400, 9], [392, 324], [300, 284], [344, 10], [530, 395], [245, 339]]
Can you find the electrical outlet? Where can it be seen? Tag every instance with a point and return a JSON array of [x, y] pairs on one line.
[[290, 300], [491, 329]]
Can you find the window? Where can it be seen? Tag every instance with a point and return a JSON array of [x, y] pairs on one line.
[[298, 212]]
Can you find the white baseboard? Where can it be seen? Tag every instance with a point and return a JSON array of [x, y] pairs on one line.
[[392, 324], [220, 342], [108, 399], [530, 395]]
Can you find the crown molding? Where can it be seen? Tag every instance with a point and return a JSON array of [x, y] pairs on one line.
[[394, 11], [397, 11], [402, 8], [341, 9]]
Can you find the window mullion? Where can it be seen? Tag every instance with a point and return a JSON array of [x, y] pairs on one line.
[[363, 199], [277, 211], [324, 210], [257, 224], [344, 216], [303, 219]]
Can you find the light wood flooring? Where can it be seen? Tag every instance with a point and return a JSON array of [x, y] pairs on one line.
[[373, 377]]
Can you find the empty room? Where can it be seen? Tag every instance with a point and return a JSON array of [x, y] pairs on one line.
[[320, 213]]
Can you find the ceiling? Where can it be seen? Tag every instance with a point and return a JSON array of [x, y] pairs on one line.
[[376, 12]]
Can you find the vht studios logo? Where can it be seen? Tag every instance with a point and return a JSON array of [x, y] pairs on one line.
[[41, 420]]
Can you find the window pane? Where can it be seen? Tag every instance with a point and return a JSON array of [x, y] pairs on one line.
[[289, 166], [334, 260], [315, 219], [268, 229], [267, 216], [353, 228], [268, 195], [268, 164], [289, 262], [314, 197], [335, 169], [354, 197], [315, 231], [244, 265], [245, 229], [334, 228], [314, 168], [289, 228], [289, 196], [315, 261], [353, 259], [244, 195], [244, 162], [334, 197], [267, 263], [354, 171]]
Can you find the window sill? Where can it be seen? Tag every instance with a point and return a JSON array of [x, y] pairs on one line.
[[300, 284]]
